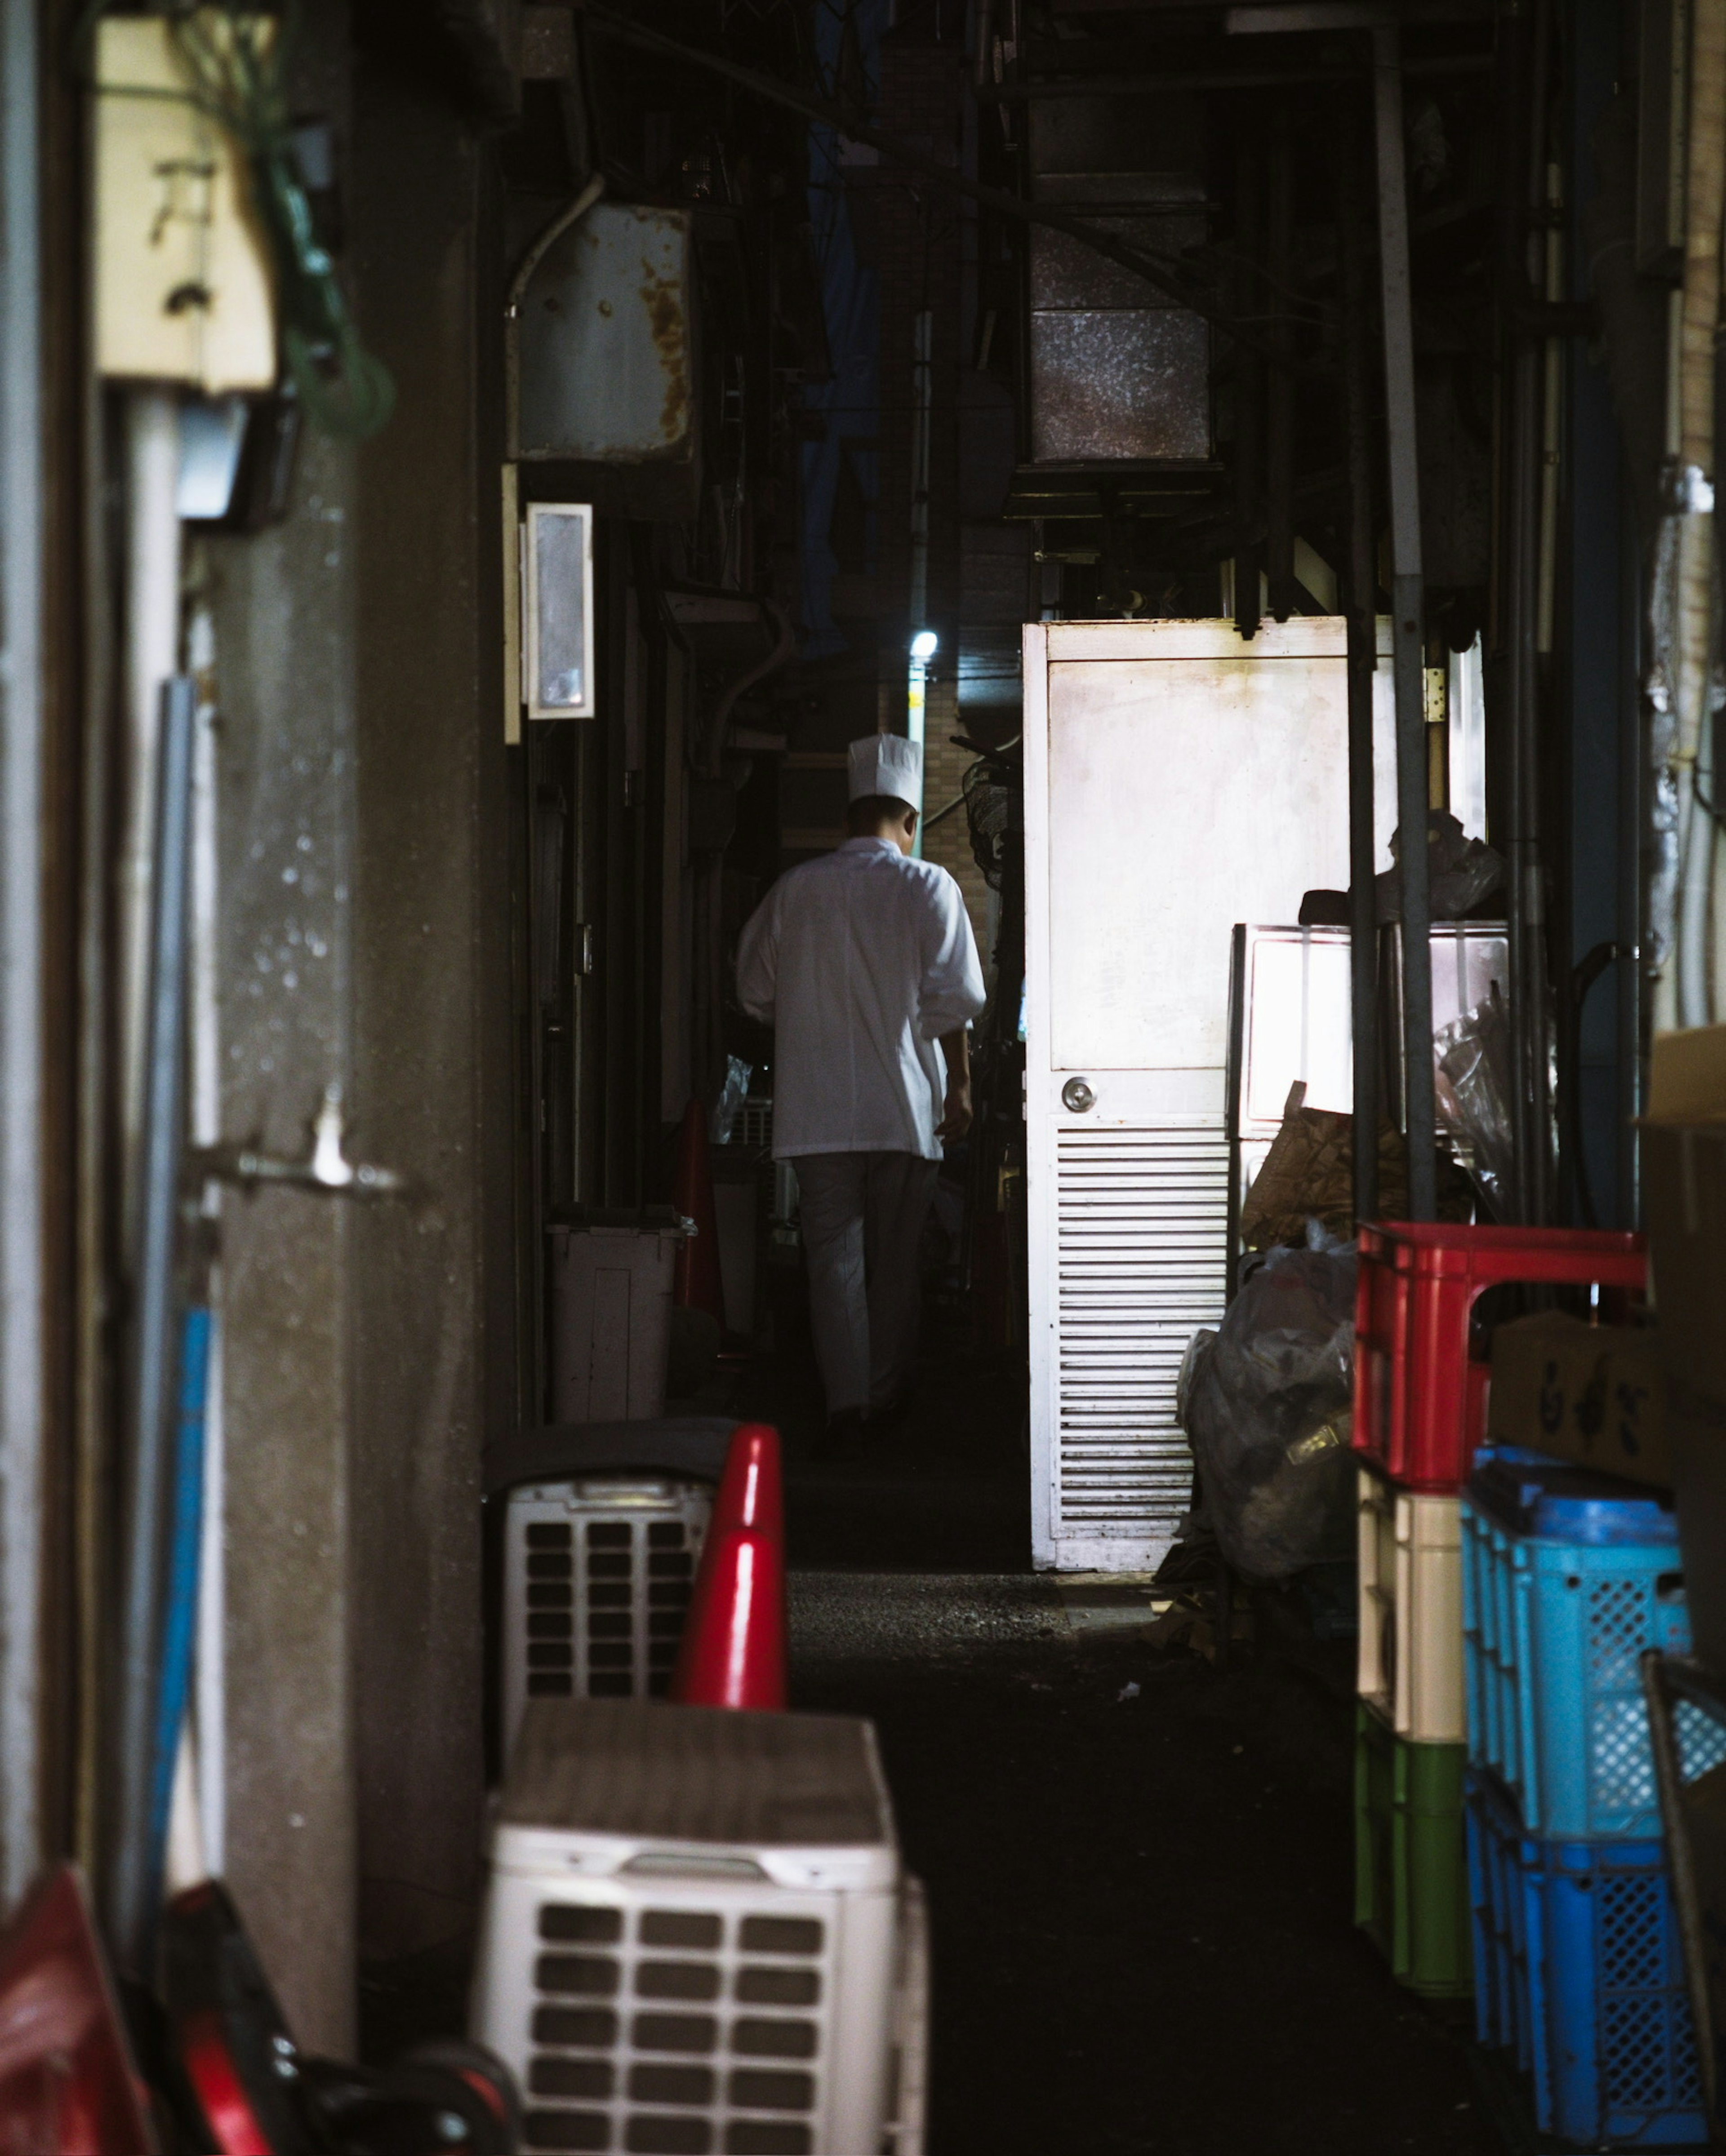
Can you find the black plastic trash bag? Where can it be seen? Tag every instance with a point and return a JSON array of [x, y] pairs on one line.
[[1266, 1403]]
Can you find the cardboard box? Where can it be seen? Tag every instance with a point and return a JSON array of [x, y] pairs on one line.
[[1593, 1393], [1684, 1196], [1684, 1201]]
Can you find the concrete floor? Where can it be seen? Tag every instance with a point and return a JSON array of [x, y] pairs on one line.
[[1139, 1871]]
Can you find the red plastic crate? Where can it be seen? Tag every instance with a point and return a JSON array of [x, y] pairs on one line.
[[1420, 1402]]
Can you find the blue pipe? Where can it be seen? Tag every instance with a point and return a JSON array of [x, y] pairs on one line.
[[180, 1623]]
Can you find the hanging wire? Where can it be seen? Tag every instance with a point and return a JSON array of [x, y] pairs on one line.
[[238, 61]]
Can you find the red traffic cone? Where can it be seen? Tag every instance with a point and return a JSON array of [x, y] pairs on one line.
[[696, 1284], [733, 1652]]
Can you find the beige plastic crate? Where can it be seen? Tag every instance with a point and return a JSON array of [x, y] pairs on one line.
[[1410, 1667]]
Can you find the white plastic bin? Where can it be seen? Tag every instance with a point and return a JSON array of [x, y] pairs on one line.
[[1410, 1666], [611, 1321]]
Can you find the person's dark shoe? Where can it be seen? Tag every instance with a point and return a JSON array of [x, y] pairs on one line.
[[884, 1420], [846, 1435]]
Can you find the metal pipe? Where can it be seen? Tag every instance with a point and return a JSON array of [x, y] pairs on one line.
[[1523, 909], [1407, 602], [22, 994], [1695, 1936], [1552, 417], [572, 213], [1362, 665], [204, 1122], [1524, 276], [1235, 78], [153, 649], [155, 1338], [1279, 427], [1249, 397], [922, 398], [921, 639], [983, 59]]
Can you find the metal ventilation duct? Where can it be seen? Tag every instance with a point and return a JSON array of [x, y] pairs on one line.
[[1117, 373]]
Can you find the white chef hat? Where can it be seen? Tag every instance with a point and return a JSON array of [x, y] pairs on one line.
[[889, 764]]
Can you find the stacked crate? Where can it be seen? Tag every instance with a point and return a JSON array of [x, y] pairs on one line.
[[1410, 1888], [1568, 1577], [1420, 1411]]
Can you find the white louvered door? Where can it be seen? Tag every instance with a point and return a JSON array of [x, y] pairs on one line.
[[1178, 780]]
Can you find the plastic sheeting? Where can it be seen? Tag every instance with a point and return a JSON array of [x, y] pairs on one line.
[[1265, 1401]]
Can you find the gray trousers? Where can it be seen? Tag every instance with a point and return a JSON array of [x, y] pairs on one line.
[[862, 1215]]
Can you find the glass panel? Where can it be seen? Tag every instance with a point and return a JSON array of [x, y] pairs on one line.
[[560, 661]]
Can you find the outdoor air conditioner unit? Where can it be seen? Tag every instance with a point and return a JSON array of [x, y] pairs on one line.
[[598, 1571], [698, 1936]]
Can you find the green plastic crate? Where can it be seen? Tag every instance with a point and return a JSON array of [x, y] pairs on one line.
[[1411, 1857]]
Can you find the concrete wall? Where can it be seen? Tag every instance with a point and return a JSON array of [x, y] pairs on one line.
[[433, 1311], [366, 939], [285, 617]]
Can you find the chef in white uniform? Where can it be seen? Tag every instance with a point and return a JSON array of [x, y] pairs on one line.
[[864, 963]]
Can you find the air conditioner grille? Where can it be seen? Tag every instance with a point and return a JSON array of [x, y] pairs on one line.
[[712, 2041], [1141, 1244], [598, 1581]]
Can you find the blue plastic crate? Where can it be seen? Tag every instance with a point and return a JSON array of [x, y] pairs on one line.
[[1562, 1589], [1579, 1977], [1501, 1944]]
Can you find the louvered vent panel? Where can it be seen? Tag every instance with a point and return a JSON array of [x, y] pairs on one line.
[[681, 2029], [1142, 1225]]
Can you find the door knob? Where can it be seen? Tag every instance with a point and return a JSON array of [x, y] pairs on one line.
[[1078, 1095]]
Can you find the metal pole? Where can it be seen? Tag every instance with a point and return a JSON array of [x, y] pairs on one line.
[[1362, 665], [1407, 654], [916, 675], [155, 1335], [22, 993], [1279, 430], [1523, 191], [152, 645], [204, 1122], [1249, 392]]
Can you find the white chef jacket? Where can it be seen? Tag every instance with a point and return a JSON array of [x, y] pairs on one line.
[[860, 961]]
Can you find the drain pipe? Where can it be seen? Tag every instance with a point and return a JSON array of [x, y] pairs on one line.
[[152, 642], [1693, 637], [1408, 649], [1362, 665], [204, 1123], [23, 1431], [156, 1343]]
